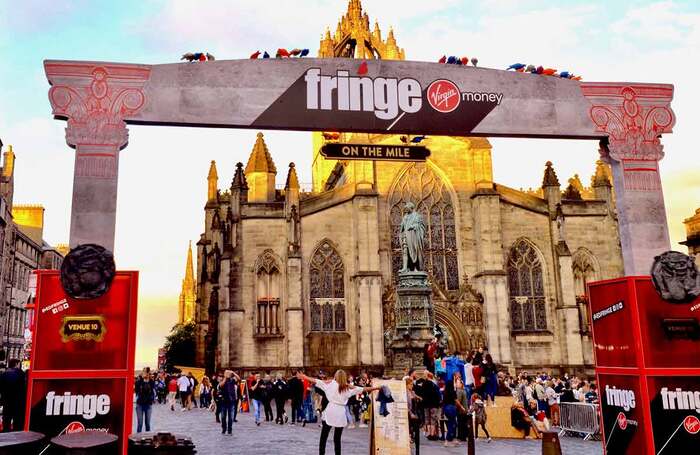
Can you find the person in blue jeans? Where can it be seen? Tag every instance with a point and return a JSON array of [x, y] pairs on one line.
[[257, 394], [144, 388], [491, 374], [449, 407], [228, 391]]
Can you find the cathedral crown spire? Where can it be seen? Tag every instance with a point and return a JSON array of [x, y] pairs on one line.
[[601, 177], [354, 39]]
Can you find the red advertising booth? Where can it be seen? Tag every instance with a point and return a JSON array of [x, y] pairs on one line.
[[82, 366], [647, 354]]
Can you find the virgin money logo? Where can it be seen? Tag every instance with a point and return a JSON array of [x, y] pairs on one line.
[[622, 421], [691, 424], [443, 95], [75, 427]]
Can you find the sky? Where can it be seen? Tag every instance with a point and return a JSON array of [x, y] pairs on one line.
[[162, 175]]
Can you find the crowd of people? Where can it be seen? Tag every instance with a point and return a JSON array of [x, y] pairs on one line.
[[455, 391]]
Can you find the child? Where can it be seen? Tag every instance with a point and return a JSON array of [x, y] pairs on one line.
[[478, 410]]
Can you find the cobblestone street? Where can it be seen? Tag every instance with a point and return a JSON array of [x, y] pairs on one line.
[[295, 440]]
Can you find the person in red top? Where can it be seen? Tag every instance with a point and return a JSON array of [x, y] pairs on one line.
[[477, 371], [172, 391]]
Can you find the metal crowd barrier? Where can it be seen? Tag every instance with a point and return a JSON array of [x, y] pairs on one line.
[[580, 418]]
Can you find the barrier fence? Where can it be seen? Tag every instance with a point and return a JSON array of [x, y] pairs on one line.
[[580, 418]]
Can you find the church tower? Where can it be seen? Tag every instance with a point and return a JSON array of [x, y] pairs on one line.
[[186, 307]]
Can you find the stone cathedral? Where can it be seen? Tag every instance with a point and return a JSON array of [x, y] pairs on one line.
[[289, 278]]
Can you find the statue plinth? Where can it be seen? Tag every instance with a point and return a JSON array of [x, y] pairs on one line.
[[415, 320]]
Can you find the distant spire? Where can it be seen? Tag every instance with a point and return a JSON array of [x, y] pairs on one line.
[[550, 177], [186, 308], [212, 181], [572, 192], [260, 159], [189, 269], [292, 180]]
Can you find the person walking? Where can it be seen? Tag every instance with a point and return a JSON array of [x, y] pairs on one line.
[[257, 394], [172, 391], [267, 390], [430, 394], [145, 394], [192, 399], [295, 386], [338, 392], [280, 393], [228, 392], [449, 408], [183, 386], [478, 410], [12, 396], [491, 384], [204, 393]]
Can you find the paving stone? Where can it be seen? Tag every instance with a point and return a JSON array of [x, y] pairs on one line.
[[269, 438]]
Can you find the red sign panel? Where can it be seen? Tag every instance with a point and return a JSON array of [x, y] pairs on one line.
[[612, 312], [621, 400], [648, 365], [83, 359]]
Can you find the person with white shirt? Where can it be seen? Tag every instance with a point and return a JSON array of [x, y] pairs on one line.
[[338, 392], [469, 377], [183, 385]]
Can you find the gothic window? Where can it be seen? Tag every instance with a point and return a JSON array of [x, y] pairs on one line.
[[267, 295], [526, 288], [422, 186], [327, 289], [584, 270]]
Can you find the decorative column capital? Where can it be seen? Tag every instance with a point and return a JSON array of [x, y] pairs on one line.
[[633, 115], [95, 98]]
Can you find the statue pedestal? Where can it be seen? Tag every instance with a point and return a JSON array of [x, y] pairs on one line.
[[415, 321]]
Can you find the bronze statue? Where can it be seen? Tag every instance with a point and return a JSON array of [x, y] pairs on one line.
[[412, 234], [675, 277]]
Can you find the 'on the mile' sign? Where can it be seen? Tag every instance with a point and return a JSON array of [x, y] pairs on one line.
[[375, 152]]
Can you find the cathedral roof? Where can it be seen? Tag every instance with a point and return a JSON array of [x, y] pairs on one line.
[[260, 159]]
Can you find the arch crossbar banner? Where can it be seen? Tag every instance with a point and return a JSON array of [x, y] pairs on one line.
[[379, 96]]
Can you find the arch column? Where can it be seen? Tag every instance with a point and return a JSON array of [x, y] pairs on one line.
[[95, 98], [634, 116]]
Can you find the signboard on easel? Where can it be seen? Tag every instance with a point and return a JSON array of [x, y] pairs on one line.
[[390, 435]]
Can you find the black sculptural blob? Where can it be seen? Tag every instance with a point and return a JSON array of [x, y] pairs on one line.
[[675, 277], [87, 271]]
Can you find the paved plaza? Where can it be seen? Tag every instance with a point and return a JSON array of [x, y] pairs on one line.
[[201, 425]]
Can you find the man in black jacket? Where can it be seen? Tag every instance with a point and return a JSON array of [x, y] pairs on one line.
[[280, 393], [296, 393], [12, 395]]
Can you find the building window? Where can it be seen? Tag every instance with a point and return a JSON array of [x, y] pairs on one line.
[[267, 293], [422, 186], [528, 311], [584, 270], [327, 289]]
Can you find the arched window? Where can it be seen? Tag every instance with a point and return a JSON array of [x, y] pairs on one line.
[[267, 289], [327, 289], [526, 289], [584, 270], [422, 186]]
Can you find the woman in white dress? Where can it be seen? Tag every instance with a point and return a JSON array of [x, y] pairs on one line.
[[338, 392]]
